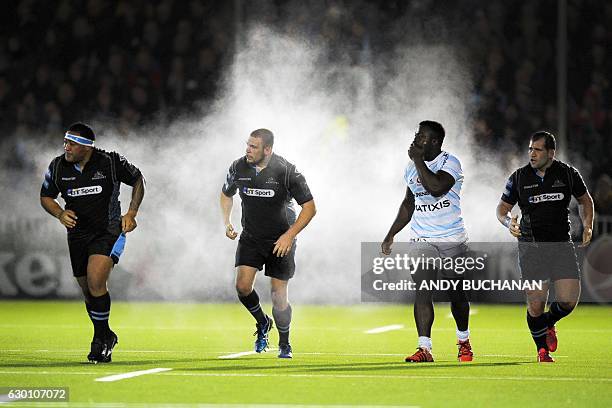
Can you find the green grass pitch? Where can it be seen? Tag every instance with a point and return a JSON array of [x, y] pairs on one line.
[[44, 344]]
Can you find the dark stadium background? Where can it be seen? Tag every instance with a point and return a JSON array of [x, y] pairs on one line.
[[132, 66]]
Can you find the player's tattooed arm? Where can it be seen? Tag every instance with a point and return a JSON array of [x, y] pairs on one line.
[[586, 205], [404, 215], [128, 221]]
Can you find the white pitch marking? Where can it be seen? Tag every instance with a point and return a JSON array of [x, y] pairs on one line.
[[384, 329], [242, 353], [117, 377]]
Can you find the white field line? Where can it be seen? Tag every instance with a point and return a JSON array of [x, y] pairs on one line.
[[132, 374], [384, 329], [349, 376], [242, 353]]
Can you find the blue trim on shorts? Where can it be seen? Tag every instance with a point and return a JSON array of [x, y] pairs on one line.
[[118, 248]]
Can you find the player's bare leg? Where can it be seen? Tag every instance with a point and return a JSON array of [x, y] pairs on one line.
[[281, 310], [423, 318], [460, 309]]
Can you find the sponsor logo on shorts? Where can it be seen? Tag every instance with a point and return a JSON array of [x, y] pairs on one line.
[[82, 191], [546, 197], [258, 192]]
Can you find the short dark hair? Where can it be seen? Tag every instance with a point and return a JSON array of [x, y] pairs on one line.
[[549, 140], [83, 129], [435, 128], [267, 137]]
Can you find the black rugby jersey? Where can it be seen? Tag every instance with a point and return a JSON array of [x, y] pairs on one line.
[[94, 193], [544, 202], [267, 208]]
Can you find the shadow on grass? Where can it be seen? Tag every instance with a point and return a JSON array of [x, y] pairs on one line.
[[295, 367], [84, 363]]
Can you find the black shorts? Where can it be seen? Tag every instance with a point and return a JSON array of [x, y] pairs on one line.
[[83, 245], [548, 260], [258, 253]]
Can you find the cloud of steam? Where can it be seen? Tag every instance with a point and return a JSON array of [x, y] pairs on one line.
[[346, 128]]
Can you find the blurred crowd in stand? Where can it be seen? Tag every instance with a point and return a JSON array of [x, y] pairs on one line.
[[136, 62]]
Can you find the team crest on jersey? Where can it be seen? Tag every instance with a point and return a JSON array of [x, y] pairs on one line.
[[546, 197], [82, 191], [271, 180], [258, 192], [98, 175], [558, 183]]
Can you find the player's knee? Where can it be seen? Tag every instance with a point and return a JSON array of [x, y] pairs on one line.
[[243, 288], [96, 288], [279, 299], [568, 305], [535, 309]]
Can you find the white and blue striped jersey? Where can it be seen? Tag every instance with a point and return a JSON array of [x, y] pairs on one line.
[[437, 218]]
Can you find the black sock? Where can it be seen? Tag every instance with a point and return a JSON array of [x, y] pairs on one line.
[[99, 312], [556, 313], [283, 323], [538, 327], [251, 302]]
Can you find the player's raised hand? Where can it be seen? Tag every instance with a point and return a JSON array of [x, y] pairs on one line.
[[68, 218], [514, 227], [128, 222], [587, 234], [416, 152], [229, 231], [283, 245], [385, 247]]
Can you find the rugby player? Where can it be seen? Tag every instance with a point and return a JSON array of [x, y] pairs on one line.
[[88, 179], [543, 190], [432, 209], [267, 184]]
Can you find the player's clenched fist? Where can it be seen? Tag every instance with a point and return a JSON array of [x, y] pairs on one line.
[[68, 218], [229, 231], [514, 227]]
